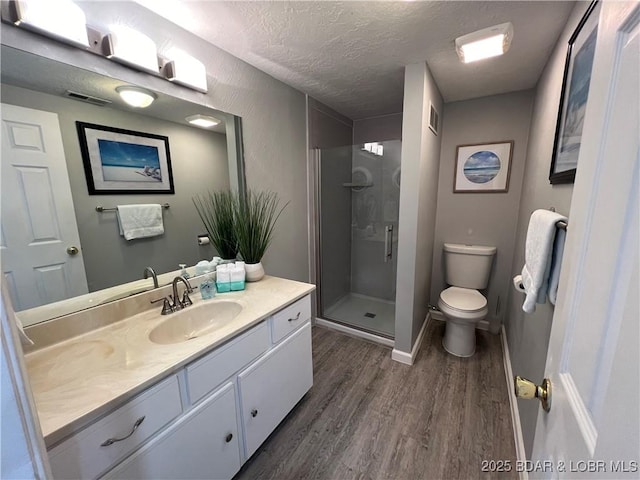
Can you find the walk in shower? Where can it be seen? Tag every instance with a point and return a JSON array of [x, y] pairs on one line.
[[357, 202]]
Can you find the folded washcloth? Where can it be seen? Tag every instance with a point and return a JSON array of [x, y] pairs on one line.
[[140, 221], [536, 272]]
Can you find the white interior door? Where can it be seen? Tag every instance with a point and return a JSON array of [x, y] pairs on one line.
[[37, 217], [593, 362]]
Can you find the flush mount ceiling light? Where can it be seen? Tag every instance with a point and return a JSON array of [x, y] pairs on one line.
[[136, 96], [485, 43], [203, 121], [128, 46], [62, 19], [186, 70]]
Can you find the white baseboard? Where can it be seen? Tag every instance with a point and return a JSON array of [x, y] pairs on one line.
[[409, 358], [521, 456], [354, 332]]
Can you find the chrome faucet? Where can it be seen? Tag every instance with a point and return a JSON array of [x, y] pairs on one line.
[[172, 303], [150, 271], [186, 301]]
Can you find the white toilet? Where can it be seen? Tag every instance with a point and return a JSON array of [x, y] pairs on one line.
[[467, 269]]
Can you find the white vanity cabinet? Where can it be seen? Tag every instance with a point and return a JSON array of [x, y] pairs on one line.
[[273, 385], [202, 444], [208, 418]]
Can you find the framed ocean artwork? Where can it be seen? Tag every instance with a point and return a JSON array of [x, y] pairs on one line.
[[118, 161], [574, 96], [483, 168]]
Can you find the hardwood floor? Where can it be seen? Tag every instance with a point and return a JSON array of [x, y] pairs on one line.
[[368, 417]]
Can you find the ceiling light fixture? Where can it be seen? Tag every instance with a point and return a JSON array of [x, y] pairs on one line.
[[128, 46], [203, 121], [485, 43], [62, 19], [136, 96]]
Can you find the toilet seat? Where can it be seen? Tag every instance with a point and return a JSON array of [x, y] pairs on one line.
[[463, 300]]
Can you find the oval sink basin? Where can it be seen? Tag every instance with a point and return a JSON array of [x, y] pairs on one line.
[[194, 321]]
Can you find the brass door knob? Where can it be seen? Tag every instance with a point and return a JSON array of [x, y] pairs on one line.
[[527, 389], [72, 250]]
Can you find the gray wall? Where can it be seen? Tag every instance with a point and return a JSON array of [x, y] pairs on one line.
[[418, 197], [273, 114], [199, 164], [378, 129], [332, 132], [482, 218], [528, 335]]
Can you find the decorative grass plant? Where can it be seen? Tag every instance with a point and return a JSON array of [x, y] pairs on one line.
[[218, 212], [255, 221]]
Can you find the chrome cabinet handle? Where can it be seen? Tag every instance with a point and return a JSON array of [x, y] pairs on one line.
[[229, 437], [111, 441], [296, 317], [254, 413]]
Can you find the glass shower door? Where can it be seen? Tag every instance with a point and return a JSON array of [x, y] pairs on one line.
[[359, 191]]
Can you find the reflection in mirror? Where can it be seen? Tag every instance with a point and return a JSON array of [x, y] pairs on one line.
[[55, 245]]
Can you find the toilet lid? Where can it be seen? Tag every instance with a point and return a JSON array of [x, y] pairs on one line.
[[463, 299]]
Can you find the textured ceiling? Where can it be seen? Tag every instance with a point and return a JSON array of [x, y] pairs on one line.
[[350, 55]]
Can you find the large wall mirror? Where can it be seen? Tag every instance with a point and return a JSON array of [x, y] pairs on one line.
[[106, 267]]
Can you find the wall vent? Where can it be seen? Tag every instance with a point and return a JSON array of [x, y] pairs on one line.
[[101, 102]]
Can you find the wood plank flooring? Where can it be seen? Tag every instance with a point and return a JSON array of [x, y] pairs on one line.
[[368, 417]]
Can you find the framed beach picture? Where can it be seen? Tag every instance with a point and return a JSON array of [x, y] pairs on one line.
[[573, 99], [483, 168], [118, 161]]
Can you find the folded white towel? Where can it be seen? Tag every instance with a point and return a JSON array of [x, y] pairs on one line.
[[541, 235], [140, 221], [556, 261]]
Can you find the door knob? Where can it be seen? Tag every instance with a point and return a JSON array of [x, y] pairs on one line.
[[527, 389], [72, 250]]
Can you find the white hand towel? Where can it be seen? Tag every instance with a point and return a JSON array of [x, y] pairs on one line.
[[556, 261], [538, 255], [140, 221]]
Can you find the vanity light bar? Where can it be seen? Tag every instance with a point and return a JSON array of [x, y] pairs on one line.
[[65, 21], [62, 20], [187, 71], [132, 48]]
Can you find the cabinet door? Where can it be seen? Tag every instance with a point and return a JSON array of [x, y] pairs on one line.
[[272, 386], [203, 444]]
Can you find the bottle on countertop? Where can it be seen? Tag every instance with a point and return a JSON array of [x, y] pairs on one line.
[[184, 272], [223, 278], [207, 286]]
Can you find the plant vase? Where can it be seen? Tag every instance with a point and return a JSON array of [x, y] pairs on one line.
[[253, 271]]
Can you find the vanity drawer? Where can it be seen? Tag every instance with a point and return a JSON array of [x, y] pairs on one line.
[[290, 318], [84, 456], [206, 374]]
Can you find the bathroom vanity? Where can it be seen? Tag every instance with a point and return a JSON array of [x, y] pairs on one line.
[[113, 403]]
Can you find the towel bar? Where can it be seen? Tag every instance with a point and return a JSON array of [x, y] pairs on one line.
[[101, 209], [562, 225]]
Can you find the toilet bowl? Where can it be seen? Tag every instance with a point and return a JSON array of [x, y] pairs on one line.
[[463, 308], [467, 269]]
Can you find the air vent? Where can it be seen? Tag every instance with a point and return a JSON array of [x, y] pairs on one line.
[[101, 102]]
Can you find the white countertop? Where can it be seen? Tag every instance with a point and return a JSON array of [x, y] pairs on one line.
[[78, 380]]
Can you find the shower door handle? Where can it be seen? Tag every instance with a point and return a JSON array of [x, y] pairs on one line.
[[388, 243]]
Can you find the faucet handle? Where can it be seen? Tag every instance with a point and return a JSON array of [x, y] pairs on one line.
[[167, 307], [186, 301]]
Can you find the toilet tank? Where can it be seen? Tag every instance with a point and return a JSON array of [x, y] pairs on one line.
[[468, 266]]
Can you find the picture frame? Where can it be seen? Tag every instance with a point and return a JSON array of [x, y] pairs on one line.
[[573, 97], [126, 162], [434, 119], [483, 167]]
